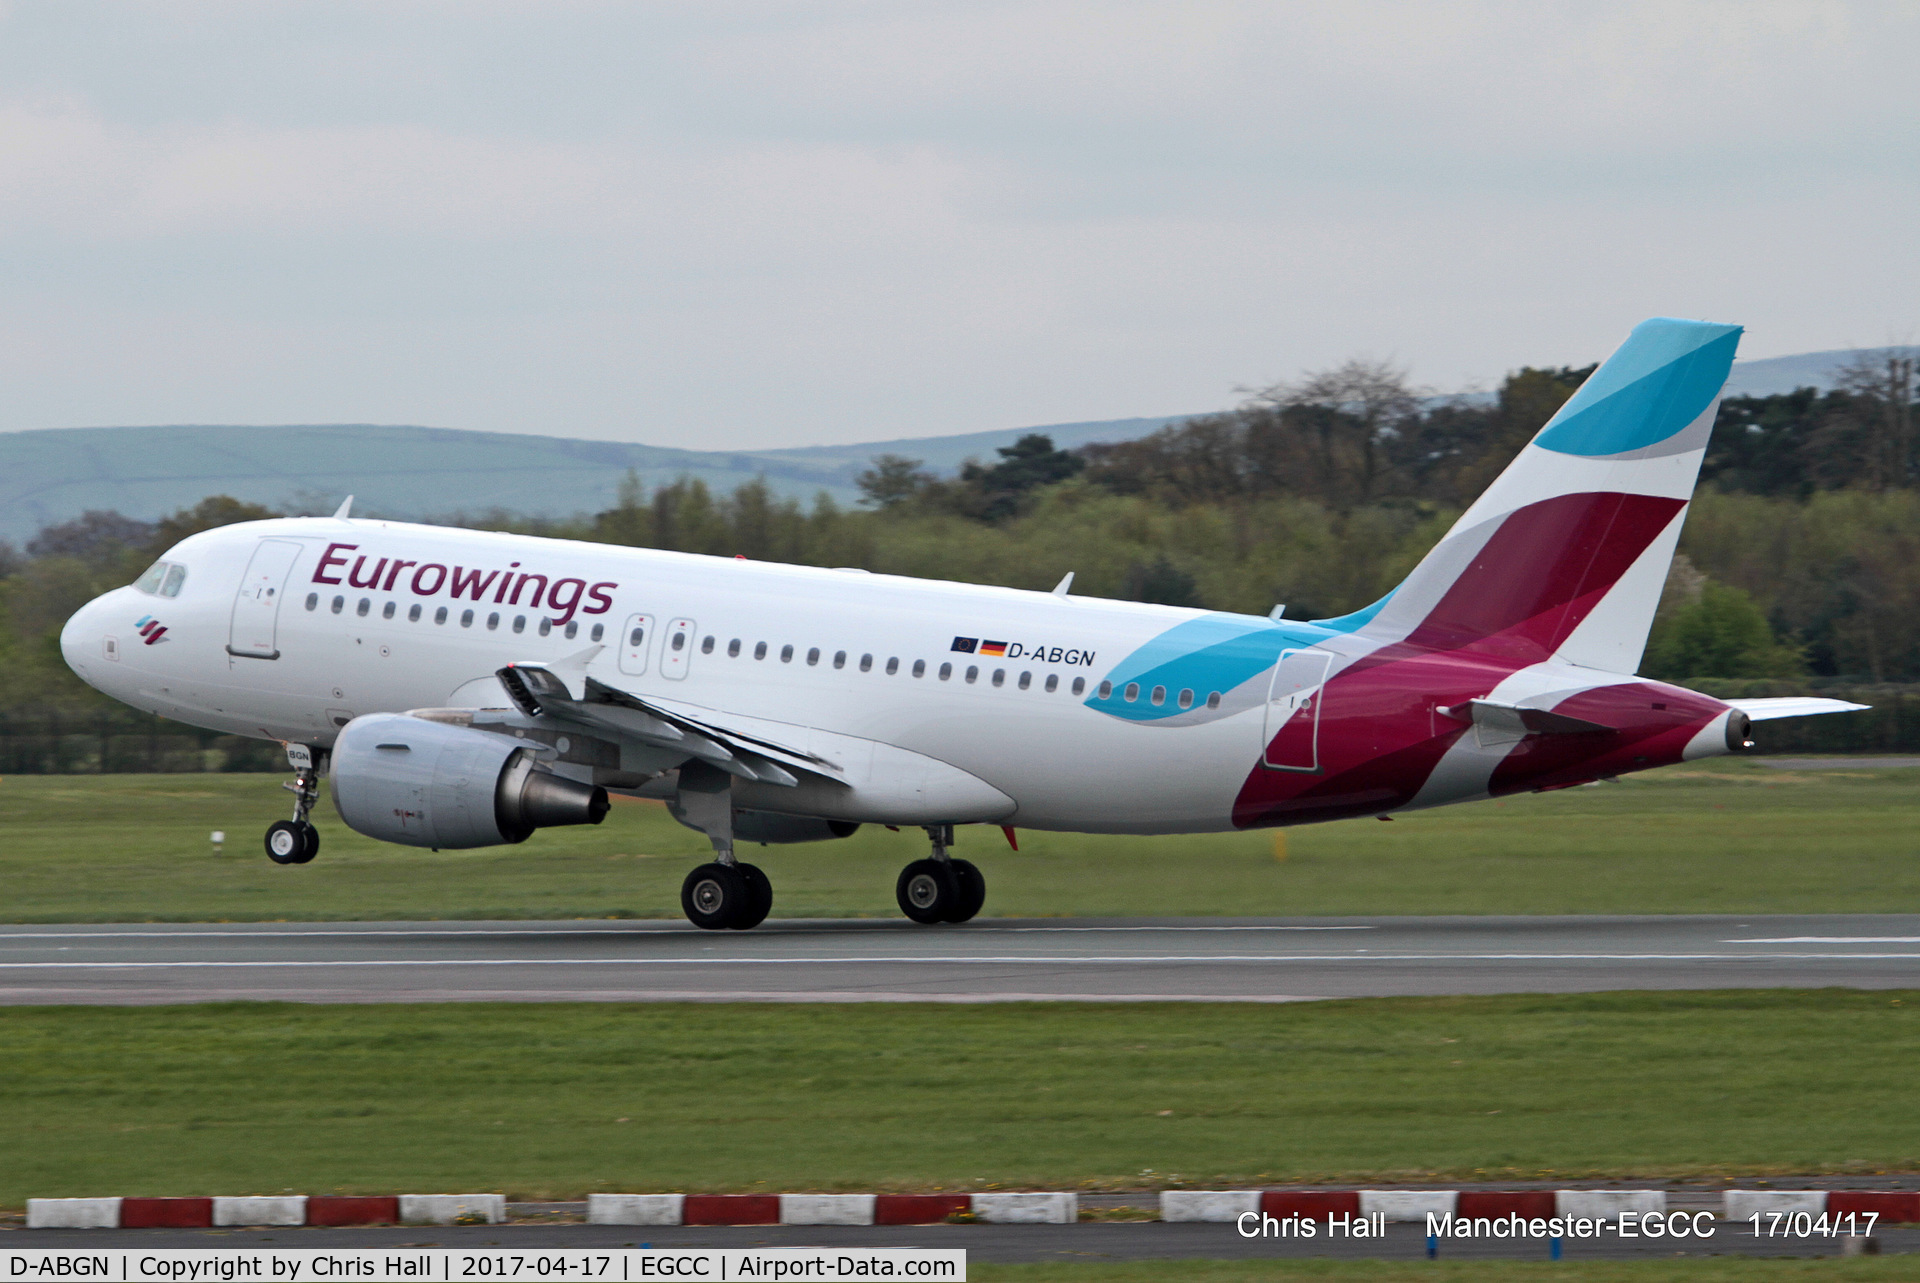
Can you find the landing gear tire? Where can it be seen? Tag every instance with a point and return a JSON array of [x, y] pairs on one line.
[[928, 892], [759, 901], [717, 896], [292, 841], [971, 886]]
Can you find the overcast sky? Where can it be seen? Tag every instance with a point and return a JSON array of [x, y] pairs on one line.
[[762, 224]]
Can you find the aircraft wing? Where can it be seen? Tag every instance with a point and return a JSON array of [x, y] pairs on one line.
[[564, 691], [1765, 710]]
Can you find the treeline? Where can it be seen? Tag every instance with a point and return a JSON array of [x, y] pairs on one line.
[[1799, 569]]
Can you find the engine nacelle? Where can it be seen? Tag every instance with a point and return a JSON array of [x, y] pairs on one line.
[[420, 783]]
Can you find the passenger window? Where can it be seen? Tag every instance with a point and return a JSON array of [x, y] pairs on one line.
[[973, 673], [149, 580], [679, 641], [573, 629], [635, 637], [493, 621], [519, 623], [546, 627], [1133, 692], [440, 615], [1026, 680], [1186, 699], [366, 604], [339, 604], [599, 631], [786, 654], [919, 668], [946, 671], [893, 666], [413, 613], [313, 600], [1053, 682], [839, 659], [176, 575], [866, 663], [1079, 685], [999, 677], [1106, 690], [759, 650], [386, 611], [706, 646], [1159, 695], [813, 655], [1213, 700], [466, 619], [733, 649]]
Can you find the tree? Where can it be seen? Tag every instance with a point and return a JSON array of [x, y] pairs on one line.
[[891, 481], [1721, 633], [209, 514], [1350, 415], [996, 493], [1881, 385]]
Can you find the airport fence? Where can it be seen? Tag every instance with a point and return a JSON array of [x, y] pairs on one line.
[[91, 740]]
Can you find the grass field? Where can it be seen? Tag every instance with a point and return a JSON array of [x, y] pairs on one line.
[[1717, 837], [562, 1100]]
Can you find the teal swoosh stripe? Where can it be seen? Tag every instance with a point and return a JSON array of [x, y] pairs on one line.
[[1215, 653], [1661, 379]]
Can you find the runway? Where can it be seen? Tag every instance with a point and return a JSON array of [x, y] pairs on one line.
[[1178, 959]]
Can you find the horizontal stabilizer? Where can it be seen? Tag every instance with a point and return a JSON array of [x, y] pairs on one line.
[[1765, 710], [1521, 721]]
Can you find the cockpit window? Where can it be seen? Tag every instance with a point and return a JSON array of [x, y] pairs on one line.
[[176, 575], [150, 581]]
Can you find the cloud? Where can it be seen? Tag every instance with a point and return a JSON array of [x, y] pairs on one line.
[[773, 223]]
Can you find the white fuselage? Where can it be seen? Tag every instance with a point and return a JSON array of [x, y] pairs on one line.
[[354, 631]]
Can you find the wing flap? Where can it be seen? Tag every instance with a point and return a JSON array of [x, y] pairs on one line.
[[537, 689]]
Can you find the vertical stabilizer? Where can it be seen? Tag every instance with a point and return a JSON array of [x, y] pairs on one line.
[[1565, 554]]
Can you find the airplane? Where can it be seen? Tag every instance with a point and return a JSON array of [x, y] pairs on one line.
[[464, 689]]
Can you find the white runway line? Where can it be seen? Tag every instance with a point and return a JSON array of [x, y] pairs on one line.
[[1827, 940]]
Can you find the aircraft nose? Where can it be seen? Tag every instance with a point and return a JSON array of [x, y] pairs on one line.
[[83, 639]]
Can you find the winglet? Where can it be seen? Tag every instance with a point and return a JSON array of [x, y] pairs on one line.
[[1060, 589], [345, 510]]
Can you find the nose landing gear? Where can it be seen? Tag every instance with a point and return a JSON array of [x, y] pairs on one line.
[[940, 888], [296, 841]]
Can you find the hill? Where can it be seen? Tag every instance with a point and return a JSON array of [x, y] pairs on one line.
[[55, 474]]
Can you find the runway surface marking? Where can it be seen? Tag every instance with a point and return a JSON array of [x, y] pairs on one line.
[[1008, 960]]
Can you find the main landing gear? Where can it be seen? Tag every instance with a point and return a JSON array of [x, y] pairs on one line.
[[296, 841], [940, 888], [724, 895]]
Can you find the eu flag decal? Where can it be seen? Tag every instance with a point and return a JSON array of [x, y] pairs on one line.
[[965, 645]]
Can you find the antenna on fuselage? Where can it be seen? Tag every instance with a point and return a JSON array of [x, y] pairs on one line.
[[345, 509], [1060, 589]]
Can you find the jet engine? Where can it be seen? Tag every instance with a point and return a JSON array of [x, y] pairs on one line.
[[420, 783]]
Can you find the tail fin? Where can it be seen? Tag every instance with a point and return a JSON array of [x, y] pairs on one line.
[[1566, 553]]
